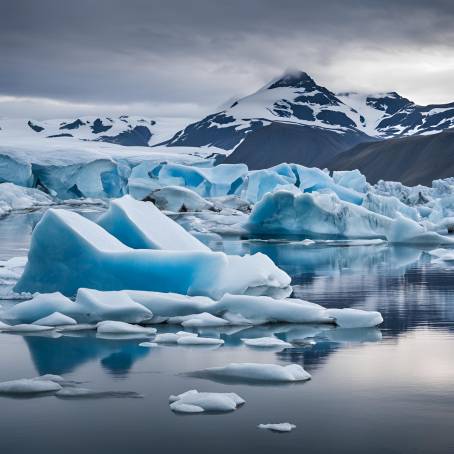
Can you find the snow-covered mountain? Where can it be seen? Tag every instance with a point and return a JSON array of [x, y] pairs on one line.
[[124, 130], [292, 117], [387, 115]]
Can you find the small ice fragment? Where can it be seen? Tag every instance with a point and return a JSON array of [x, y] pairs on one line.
[[257, 372], [29, 386], [355, 318], [266, 342], [114, 327], [172, 338], [196, 402], [148, 344], [280, 427], [86, 393], [193, 340]]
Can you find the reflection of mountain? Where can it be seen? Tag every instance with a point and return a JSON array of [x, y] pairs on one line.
[[64, 354]]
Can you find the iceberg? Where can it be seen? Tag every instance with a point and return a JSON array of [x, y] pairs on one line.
[[256, 372], [69, 251], [279, 427], [96, 306], [257, 310], [14, 197], [194, 401], [196, 340], [172, 338], [115, 327], [41, 306], [266, 342], [179, 199], [29, 386], [140, 225], [86, 393], [355, 318], [315, 214]]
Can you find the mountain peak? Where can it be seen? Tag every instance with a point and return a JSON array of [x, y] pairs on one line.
[[293, 78]]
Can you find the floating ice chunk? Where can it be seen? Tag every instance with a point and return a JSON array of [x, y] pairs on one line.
[[352, 179], [171, 304], [26, 328], [406, 231], [444, 255], [141, 225], [172, 338], [41, 306], [315, 214], [195, 340], [68, 252], [55, 319], [177, 199], [355, 318], [197, 402], [148, 344], [27, 386], [14, 197], [203, 319], [97, 306], [266, 342], [263, 309], [115, 327], [279, 427], [255, 372], [85, 393]]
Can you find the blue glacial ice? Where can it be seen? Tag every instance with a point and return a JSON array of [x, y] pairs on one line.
[[140, 225], [69, 251], [223, 179]]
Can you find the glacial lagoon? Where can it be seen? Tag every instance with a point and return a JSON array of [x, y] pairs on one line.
[[395, 382]]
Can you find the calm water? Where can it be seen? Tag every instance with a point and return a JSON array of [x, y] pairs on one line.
[[386, 390]]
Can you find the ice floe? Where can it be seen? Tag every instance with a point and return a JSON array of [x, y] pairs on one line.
[[279, 427], [115, 327], [27, 386], [196, 340], [266, 342], [194, 401], [257, 372]]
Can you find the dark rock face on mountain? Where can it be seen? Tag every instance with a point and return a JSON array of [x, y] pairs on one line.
[[294, 119], [138, 136], [281, 142], [417, 159]]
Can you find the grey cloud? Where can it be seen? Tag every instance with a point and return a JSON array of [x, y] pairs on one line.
[[165, 54]]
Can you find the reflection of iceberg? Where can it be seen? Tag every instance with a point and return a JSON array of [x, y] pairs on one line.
[[65, 354]]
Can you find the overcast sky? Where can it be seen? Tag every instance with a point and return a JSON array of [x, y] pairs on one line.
[[184, 58]]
